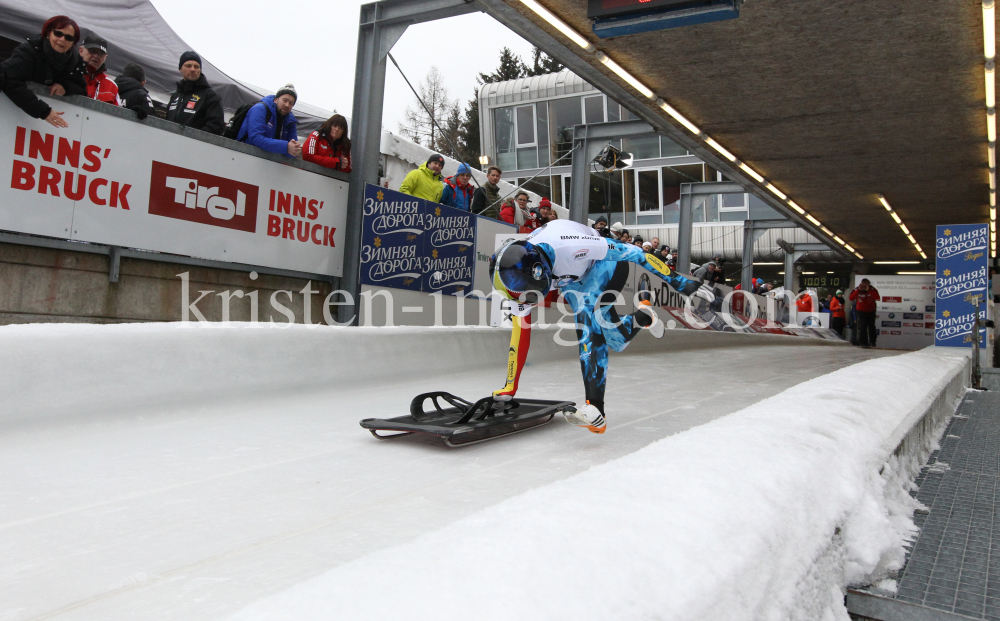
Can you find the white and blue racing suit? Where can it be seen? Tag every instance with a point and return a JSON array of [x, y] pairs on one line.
[[588, 270]]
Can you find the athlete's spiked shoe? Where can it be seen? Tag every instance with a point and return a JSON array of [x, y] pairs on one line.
[[587, 416], [647, 318]]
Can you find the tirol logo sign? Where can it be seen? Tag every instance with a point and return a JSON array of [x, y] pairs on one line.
[[194, 196], [962, 278]]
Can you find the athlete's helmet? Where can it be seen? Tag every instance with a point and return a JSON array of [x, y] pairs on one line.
[[520, 267]]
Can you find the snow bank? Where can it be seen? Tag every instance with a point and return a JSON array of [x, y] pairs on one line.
[[768, 513]]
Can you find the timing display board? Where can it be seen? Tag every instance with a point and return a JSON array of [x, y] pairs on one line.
[[611, 8]]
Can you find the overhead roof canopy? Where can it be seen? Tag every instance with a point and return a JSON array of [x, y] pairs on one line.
[[832, 102]]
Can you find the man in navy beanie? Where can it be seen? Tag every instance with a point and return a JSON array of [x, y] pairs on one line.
[[195, 104]]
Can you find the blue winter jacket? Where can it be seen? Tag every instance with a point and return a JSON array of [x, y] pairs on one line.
[[455, 195], [258, 128]]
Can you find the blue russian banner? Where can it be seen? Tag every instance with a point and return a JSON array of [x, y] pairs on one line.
[[411, 243], [962, 275]]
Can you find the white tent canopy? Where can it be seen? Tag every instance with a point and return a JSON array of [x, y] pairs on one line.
[[136, 33]]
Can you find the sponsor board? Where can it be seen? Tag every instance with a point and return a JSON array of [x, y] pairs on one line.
[[107, 180], [410, 243], [962, 253], [908, 294]]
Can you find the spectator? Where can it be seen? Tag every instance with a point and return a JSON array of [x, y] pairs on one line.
[[867, 298], [647, 247], [486, 199], [425, 182], [47, 59], [616, 230], [132, 92], [94, 53], [638, 241], [624, 236], [547, 214], [195, 104], [672, 261], [458, 191], [838, 318], [329, 145], [707, 271], [601, 226], [270, 124], [803, 302], [516, 213]]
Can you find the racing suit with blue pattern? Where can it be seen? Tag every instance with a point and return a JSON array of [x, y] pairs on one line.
[[588, 270]]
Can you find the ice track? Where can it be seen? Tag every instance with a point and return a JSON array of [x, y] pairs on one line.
[[193, 493]]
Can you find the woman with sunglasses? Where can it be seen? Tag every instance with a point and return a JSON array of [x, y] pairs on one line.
[[329, 146], [50, 59]]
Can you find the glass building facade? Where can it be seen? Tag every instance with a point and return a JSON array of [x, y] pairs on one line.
[[527, 130]]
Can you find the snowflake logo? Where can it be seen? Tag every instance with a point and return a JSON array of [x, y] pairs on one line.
[[463, 248], [411, 237], [407, 281], [378, 242], [434, 253], [437, 211], [947, 272], [947, 313], [947, 231], [380, 195]]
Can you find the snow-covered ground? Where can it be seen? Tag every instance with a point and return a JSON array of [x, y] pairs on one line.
[[137, 483]]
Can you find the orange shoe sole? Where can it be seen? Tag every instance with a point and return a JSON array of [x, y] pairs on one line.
[[596, 429]]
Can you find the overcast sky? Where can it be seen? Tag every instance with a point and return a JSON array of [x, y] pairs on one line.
[[313, 44]]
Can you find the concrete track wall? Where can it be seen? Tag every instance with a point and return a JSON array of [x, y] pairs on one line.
[[169, 363]]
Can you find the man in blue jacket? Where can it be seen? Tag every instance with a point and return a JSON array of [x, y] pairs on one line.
[[271, 125], [457, 189]]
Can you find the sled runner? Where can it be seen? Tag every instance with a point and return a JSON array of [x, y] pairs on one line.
[[459, 422]]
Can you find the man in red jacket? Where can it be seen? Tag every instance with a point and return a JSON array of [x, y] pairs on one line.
[[838, 319], [94, 53], [866, 299]]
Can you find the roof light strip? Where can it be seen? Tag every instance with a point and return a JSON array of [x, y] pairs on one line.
[[902, 227], [620, 71]]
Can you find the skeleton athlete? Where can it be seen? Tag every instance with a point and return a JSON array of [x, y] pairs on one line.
[[589, 270]]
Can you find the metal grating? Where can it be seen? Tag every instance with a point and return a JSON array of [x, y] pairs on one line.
[[954, 565]]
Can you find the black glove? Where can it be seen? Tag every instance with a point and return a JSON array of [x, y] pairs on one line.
[[140, 113]]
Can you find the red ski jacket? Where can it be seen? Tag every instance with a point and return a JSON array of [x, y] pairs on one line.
[[319, 151], [866, 299], [101, 87]]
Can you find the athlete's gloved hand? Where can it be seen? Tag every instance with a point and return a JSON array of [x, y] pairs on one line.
[[705, 292]]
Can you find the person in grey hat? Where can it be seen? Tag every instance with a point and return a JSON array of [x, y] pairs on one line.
[[195, 104], [94, 52]]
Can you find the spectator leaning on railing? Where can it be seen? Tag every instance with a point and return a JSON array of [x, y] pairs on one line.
[[195, 104], [270, 124], [425, 182], [100, 87], [329, 146], [47, 59], [132, 90]]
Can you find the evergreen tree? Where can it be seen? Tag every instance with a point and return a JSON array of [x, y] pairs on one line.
[[542, 63], [511, 68]]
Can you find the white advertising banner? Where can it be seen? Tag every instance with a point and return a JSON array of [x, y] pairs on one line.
[[111, 181], [905, 316]]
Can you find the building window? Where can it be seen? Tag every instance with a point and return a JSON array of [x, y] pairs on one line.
[[672, 178], [648, 183], [594, 109], [564, 115], [642, 147], [542, 114], [503, 130], [669, 148]]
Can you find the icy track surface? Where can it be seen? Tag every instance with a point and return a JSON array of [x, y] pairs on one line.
[[184, 496]]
